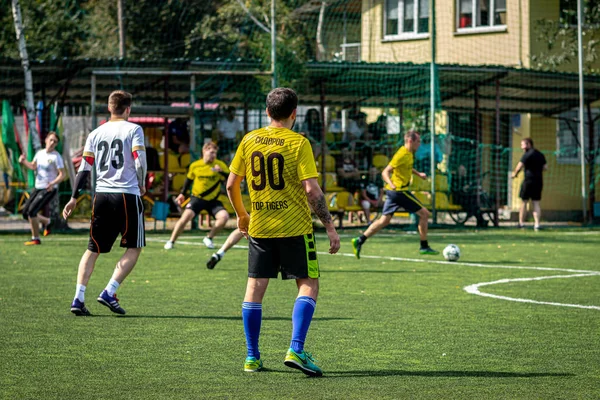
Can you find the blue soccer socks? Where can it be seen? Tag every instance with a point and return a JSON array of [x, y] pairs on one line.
[[252, 316], [304, 308]]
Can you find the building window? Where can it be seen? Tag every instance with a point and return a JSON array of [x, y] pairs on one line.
[[567, 136], [481, 13], [406, 18]]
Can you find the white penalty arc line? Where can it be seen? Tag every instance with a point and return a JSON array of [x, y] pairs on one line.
[[474, 289]]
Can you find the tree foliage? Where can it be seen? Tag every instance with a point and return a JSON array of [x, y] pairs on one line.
[[560, 37], [170, 29]]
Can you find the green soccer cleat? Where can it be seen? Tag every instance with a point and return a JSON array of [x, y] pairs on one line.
[[429, 251], [356, 245], [252, 364], [304, 362]]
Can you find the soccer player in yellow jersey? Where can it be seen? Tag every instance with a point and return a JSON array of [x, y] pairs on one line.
[[281, 176], [397, 176], [205, 177]]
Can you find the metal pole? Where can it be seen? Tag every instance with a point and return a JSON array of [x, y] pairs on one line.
[[94, 124], [121, 28], [477, 139], [323, 136], [273, 47], [432, 111], [581, 127], [497, 154], [193, 114]]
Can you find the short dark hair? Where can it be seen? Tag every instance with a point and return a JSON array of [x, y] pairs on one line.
[[529, 141], [55, 134], [118, 101], [411, 134], [281, 103]]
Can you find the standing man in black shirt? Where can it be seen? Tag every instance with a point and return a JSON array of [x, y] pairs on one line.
[[535, 164]]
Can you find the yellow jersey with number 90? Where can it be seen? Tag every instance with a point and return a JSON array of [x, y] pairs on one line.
[[275, 161]]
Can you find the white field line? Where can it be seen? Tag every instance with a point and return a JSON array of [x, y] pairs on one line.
[[474, 289]]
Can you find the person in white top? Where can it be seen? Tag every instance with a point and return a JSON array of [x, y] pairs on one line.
[[228, 129], [116, 151], [50, 171]]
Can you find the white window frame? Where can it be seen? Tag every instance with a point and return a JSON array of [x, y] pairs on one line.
[[400, 35], [474, 20], [574, 158]]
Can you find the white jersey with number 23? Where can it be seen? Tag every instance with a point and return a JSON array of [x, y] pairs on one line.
[[112, 146]]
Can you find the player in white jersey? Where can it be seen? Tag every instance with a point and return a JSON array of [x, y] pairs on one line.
[[116, 151], [50, 171]]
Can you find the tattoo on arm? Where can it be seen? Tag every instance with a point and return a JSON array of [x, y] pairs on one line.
[[319, 206]]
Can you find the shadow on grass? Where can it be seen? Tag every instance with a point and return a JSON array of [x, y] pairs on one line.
[[445, 374], [215, 317]]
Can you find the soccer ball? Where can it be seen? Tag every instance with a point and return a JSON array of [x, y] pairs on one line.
[[451, 252]]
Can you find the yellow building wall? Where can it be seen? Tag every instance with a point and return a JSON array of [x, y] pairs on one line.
[[562, 182], [510, 47]]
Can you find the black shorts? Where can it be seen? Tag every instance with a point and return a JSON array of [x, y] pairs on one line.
[[197, 204], [396, 200], [114, 213], [531, 190], [295, 257], [36, 201]]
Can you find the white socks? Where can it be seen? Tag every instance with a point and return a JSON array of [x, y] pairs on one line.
[[221, 252], [80, 293], [112, 287]]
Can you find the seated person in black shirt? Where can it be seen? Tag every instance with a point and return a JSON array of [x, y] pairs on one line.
[[464, 193], [371, 193]]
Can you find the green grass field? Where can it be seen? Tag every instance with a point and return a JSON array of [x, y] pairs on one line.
[[392, 325]]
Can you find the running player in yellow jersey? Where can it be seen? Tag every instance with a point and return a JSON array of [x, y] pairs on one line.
[[205, 177], [397, 176], [281, 176]]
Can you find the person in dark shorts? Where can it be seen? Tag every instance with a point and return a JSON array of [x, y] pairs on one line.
[[534, 163], [371, 192], [50, 171], [116, 151], [281, 176], [204, 177], [397, 176]]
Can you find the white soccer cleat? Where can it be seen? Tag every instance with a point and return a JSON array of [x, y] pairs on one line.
[[208, 242], [168, 245]]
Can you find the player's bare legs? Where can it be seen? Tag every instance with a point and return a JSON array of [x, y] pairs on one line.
[[537, 214], [35, 226], [186, 217], [522, 213], [44, 220], [375, 227], [126, 264], [233, 238], [308, 287], [86, 267], [423, 214], [255, 289], [108, 297], [378, 225], [220, 220]]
